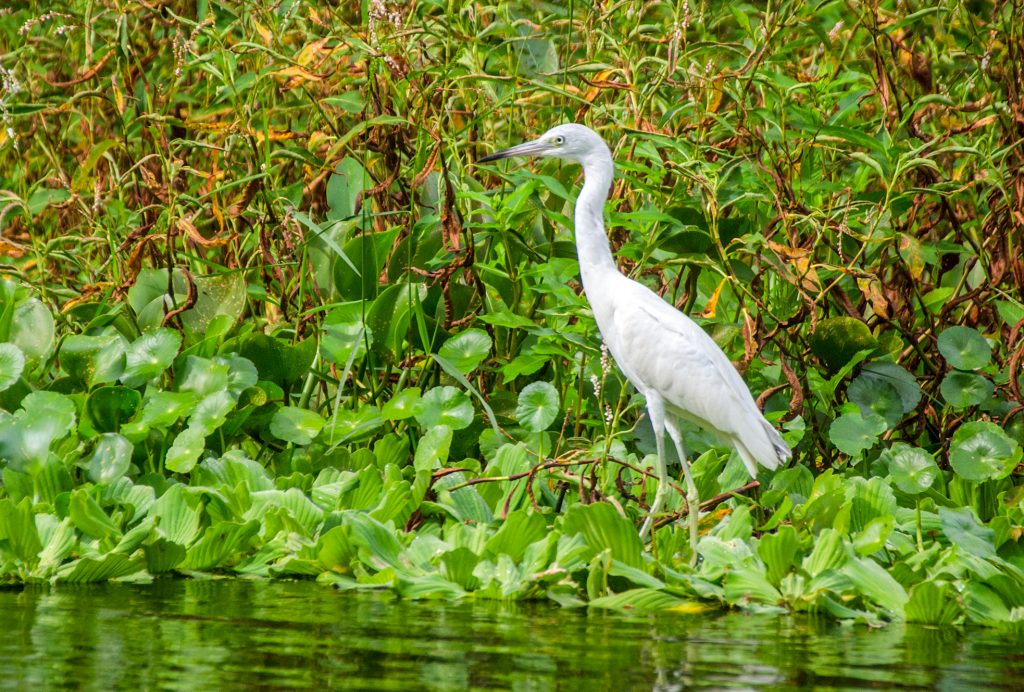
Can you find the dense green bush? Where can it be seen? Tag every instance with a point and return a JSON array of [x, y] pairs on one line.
[[262, 314]]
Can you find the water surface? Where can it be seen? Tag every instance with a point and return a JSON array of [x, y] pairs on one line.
[[233, 634]]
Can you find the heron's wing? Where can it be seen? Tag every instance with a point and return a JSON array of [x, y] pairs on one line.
[[662, 350]]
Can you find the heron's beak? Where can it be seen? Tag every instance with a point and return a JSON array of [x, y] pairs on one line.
[[534, 148]]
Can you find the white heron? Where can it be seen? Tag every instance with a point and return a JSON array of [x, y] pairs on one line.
[[673, 363]]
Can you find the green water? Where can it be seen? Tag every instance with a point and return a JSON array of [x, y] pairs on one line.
[[230, 634]]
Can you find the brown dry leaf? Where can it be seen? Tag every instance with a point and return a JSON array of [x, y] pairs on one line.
[[871, 289], [273, 135], [709, 310], [186, 226], [311, 51], [212, 126], [808, 276], [716, 94], [265, 33], [9, 249], [295, 76]]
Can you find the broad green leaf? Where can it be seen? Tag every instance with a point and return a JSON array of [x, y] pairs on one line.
[[296, 425], [457, 567], [87, 570], [933, 602], [838, 339], [109, 407], [963, 530], [747, 583], [467, 349], [180, 512], [874, 535], [868, 499], [335, 549], [218, 543], [160, 410], [32, 329], [873, 582], [163, 555], [520, 529], [203, 376], [93, 359], [964, 389], [538, 406], [110, 459], [444, 406], [389, 317], [89, 518], [185, 450], [886, 389], [345, 336], [211, 411], [911, 468], [402, 405], [18, 530], [217, 296], [12, 363], [230, 470], [964, 348], [982, 451], [378, 546], [853, 433], [344, 186], [278, 360], [984, 606], [602, 527], [305, 513], [639, 600], [149, 356], [828, 553], [432, 448], [59, 540], [346, 425], [26, 437], [779, 551]]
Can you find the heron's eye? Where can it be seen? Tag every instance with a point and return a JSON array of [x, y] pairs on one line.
[[559, 140]]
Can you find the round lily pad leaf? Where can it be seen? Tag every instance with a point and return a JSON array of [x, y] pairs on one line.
[[837, 340], [981, 451], [912, 469], [878, 396], [402, 405], [149, 356], [964, 348], [296, 425], [109, 407], [32, 329], [12, 363], [853, 433], [444, 406], [466, 350], [963, 389], [111, 458], [538, 406]]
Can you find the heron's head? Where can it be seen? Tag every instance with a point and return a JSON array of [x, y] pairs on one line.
[[576, 143]]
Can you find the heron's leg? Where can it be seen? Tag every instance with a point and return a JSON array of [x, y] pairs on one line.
[[692, 496], [657, 413]]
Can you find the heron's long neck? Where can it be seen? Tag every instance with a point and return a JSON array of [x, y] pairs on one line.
[[595, 254]]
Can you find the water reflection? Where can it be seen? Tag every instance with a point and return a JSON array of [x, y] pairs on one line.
[[233, 634]]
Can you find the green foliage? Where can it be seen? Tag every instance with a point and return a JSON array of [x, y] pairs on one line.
[[269, 319]]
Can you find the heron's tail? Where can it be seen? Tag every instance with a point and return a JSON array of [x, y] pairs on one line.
[[762, 446]]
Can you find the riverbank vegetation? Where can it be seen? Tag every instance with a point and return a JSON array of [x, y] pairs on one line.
[[261, 315]]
